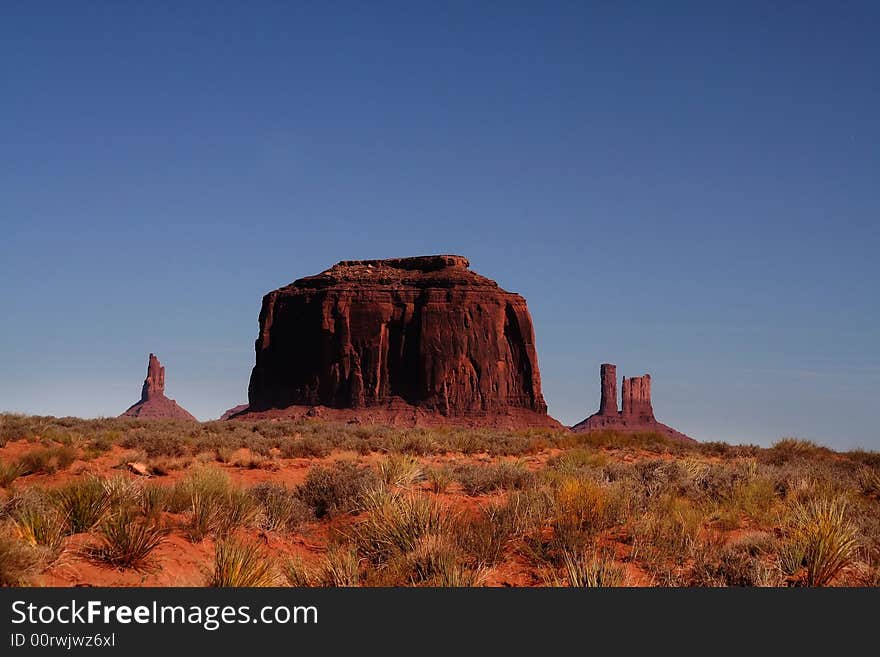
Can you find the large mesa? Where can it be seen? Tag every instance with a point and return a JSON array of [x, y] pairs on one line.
[[416, 340]]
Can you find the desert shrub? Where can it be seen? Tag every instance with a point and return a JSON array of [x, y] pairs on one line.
[[237, 509], [400, 470], [239, 563], [9, 472], [47, 460], [14, 427], [336, 489], [153, 500], [800, 479], [219, 513], [484, 537], [82, 503], [434, 558], [754, 497], [582, 507], [123, 492], [394, 523], [648, 441], [338, 568], [205, 515], [282, 510], [37, 521], [159, 441], [667, 532], [297, 573], [788, 449], [589, 570], [744, 563], [126, 541], [100, 444], [820, 541], [864, 457], [416, 442], [439, 479], [577, 460], [213, 504], [313, 447], [869, 481], [162, 466], [224, 454], [19, 561], [477, 479]]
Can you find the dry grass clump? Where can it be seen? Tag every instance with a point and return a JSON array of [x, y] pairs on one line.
[[820, 541], [239, 563], [213, 505], [82, 503], [47, 460], [394, 523], [400, 470], [338, 568], [9, 472], [481, 479], [126, 541], [748, 562], [19, 560], [282, 510], [588, 570], [336, 489], [37, 521]]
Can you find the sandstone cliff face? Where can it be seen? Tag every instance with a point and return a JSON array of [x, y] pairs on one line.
[[638, 410], [636, 395], [153, 402], [424, 333]]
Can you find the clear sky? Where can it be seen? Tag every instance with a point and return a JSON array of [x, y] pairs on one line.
[[685, 189]]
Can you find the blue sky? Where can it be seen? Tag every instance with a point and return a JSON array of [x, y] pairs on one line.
[[689, 190]]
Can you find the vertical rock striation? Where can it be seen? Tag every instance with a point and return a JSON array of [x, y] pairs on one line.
[[608, 400]]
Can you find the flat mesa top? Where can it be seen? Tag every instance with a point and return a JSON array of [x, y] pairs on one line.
[[421, 271]]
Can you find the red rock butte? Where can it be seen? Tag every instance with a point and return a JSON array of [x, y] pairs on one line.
[[153, 402], [421, 340], [637, 415]]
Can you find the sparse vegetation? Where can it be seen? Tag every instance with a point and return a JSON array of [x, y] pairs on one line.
[[365, 506], [126, 541]]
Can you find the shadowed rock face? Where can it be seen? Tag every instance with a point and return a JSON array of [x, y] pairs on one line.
[[608, 400], [638, 411], [154, 384], [154, 403], [424, 334]]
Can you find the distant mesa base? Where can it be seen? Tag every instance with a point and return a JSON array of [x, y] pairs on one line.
[[401, 414], [232, 412], [637, 415], [153, 402]]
